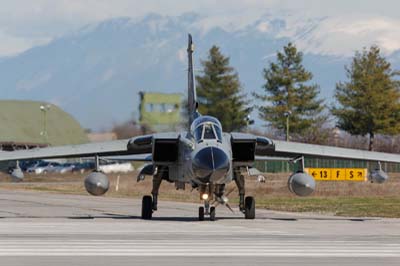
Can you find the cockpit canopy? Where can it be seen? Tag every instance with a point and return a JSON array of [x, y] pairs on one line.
[[206, 128]]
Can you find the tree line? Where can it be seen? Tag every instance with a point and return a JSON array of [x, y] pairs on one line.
[[366, 104]]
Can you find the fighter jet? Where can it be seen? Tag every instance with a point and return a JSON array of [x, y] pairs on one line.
[[203, 157]]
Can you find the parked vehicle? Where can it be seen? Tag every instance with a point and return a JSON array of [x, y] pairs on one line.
[[83, 167], [24, 165], [32, 168], [64, 168], [43, 167]]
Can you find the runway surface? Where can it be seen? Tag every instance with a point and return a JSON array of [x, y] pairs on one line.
[[52, 229]]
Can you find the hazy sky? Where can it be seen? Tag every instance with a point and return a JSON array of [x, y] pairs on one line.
[[25, 23]]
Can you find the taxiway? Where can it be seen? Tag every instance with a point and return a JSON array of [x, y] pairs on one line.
[[53, 229]]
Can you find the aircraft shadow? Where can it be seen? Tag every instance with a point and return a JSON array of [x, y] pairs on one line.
[[183, 219]]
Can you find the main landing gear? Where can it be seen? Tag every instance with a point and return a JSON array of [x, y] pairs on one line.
[[149, 203], [249, 208], [147, 210], [247, 205]]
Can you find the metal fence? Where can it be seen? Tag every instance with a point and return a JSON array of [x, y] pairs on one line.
[[284, 166]]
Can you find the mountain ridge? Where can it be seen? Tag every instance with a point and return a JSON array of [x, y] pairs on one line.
[[95, 73]]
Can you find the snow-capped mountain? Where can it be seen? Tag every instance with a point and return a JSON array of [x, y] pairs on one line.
[[96, 73]]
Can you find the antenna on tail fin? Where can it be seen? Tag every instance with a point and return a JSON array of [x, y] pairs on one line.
[[192, 97]]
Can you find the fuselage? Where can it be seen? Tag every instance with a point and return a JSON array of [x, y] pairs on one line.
[[210, 156]]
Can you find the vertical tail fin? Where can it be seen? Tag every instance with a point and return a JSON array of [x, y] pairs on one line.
[[192, 97]]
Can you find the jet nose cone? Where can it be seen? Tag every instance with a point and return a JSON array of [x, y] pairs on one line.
[[210, 162]]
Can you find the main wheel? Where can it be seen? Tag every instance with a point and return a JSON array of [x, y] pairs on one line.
[[249, 208], [147, 207], [212, 214], [201, 213]]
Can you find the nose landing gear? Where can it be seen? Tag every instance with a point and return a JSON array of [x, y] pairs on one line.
[[201, 213], [207, 210], [206, 194]]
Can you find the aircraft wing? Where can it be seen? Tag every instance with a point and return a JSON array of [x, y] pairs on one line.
[[138, 148], [284, 150]]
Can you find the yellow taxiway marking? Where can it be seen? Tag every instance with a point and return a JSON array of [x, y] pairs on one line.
[[338, 174]]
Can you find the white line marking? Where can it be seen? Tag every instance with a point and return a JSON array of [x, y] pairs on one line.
[[200, 254]]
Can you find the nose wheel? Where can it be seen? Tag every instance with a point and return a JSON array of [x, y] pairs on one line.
[[207, 211], [201, 213], [212, 213]]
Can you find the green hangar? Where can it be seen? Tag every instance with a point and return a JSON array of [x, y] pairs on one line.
[[30, 124]]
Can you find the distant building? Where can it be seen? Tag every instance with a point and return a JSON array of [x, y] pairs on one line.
[[29, 124], [160, 111]]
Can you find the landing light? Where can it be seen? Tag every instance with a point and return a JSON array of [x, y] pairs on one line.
[[204, 196]]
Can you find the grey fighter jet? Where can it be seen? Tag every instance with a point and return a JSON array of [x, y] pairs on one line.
[[204, 158]]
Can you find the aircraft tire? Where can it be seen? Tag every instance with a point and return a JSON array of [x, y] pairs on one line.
[[212, 213], [147, 210], [201, 213], [249, 208]]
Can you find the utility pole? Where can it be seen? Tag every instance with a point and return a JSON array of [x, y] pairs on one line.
[[287, 115], [44, 109]]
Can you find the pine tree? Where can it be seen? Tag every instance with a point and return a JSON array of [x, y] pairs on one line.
[[369, 101], [219, 92], [289, 93]]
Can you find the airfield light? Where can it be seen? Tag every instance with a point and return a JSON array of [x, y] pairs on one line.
[[44, 109], [204, 196]]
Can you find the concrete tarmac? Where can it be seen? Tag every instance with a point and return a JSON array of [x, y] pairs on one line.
[[53, 229]]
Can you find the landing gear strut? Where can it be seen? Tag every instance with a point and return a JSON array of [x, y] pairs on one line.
[[247, 205], [156, 187]]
